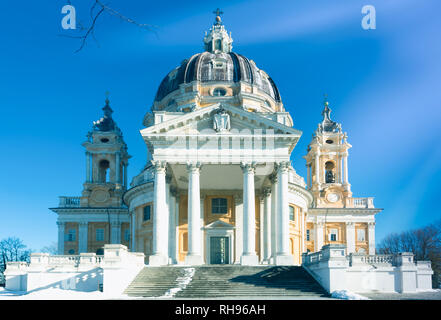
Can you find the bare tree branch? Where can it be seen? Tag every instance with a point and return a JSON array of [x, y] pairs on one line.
[[94, 17]]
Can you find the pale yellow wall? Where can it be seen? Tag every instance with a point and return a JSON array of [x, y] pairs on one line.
[[69, 245]]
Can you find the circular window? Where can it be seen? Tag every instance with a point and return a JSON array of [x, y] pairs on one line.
[[329, 141], [104, 140], [219, 92]]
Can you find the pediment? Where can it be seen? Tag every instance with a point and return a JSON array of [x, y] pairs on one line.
[[219, 224], [201, 122]]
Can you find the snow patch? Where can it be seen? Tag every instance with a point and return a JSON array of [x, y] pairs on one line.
[[182, 283], [347, 295]]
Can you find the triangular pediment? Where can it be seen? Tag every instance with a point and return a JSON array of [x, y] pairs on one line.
[[201, 122], [219, 224]]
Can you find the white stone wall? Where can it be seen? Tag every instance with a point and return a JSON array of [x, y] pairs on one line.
[[334, 270]]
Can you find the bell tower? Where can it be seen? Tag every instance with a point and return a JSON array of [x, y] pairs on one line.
[[327, 163], [106, 163]]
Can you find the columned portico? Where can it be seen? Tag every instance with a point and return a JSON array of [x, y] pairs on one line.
[[283, 255], [194, 255], [249, 256], [160, 224]]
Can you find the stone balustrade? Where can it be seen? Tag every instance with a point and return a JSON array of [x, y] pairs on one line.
[[365, 273], [69, 202], [359, 202]]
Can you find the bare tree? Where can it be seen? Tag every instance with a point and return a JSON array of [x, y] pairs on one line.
[[96, 10], [13, 249], [51, 249], [424, 243]]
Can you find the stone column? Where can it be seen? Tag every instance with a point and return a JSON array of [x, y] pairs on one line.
[[266, 225], [160, 226], [308, 168], [194, 256], [274, 197], [317, 168], [371, 237], [87, 167], [61, 227], [172, 226], [82, 236], [132, 231], [350, 237], [125, 174], [249, 256], [319, 236], [345, 165], [115, 232], [283, 256], [117, 167]]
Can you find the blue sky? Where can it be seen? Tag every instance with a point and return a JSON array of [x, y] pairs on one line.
[[383, 86]]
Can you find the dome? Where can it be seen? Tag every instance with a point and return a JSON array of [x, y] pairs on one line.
[[218, 67], [217, 73]]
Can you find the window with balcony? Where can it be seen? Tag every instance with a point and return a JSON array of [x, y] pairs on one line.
[[361, 235]]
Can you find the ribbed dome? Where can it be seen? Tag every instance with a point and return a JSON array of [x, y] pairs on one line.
[[221, 66]]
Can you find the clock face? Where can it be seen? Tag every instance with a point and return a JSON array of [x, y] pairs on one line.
[[333, 197]]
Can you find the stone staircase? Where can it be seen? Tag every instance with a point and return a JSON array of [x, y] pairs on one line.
[[226, 282]]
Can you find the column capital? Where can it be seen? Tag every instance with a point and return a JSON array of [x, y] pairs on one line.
[[248, 167], [266, 192], [194, 167], [83, 223], [283, 166], [159, 165], [61, 223], [371, 224], [115, 223], [273, 177], [350, 224], [237, 198], [320, 224]]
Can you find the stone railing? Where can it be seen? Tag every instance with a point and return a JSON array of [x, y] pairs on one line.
[[69, 202], [379, 259], [360, 202], [39, 260]]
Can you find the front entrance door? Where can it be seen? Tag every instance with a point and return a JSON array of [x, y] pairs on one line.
[[219, 250]]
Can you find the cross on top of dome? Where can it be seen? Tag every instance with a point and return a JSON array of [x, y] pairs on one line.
[[218, 14]]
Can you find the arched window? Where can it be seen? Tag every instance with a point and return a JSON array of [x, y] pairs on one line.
[[329, 172], [103, 171], [218, 44], [100, 252]]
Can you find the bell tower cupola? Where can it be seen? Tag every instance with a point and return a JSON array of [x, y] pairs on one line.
[[106, 163], [327, 162]]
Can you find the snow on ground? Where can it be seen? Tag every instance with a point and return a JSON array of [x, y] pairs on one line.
[[182, 282], [57, 294], [347, 295]]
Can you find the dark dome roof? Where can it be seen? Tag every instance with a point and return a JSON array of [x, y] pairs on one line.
[[221, 66]]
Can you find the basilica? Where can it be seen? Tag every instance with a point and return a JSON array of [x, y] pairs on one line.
[[218, 186]]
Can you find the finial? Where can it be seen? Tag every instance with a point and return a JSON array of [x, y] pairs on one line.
[[218, 13], [107, 97]]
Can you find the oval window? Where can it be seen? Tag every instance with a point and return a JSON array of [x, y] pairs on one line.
[[219, 92], [104, 140], [329, 141]]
